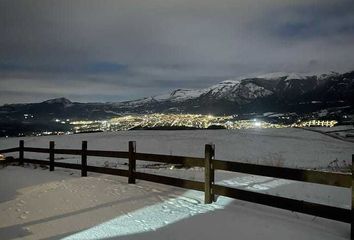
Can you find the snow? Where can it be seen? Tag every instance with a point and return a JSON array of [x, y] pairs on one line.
[[293, 75], [234, 89], [152, 217], [343, 132], [58, 100], [180, 95], [273, 75], [224, 87], [255, 91], [38, 204], [136, 103], [325, 75], [276, 115]]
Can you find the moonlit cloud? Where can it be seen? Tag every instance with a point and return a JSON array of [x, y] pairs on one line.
[[125, 49]]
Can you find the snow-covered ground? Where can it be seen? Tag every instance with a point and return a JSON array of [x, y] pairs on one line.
[[343, 132], [38, 204]]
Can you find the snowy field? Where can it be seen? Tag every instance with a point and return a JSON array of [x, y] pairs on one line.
[[38, 204], [344, 132], [277, 147]]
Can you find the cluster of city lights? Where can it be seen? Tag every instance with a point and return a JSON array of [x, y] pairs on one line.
[[184, 120], [317, 123]]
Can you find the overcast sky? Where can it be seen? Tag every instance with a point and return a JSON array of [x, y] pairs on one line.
[[127, 49]]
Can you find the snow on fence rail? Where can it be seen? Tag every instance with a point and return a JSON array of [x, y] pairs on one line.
[[208, 186]]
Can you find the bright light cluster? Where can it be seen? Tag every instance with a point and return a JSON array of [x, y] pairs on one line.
[[317, 123], [184, 120]]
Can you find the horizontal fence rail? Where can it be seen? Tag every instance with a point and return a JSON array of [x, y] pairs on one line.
[[178, 160], [325, 211], [36, 150], [320, 177], [9, 150], [210, 165], [109, 171], [112, 154], [93, 153], [177, 182], [68, 151]]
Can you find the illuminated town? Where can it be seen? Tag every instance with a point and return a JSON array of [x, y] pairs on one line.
[[188, 121]]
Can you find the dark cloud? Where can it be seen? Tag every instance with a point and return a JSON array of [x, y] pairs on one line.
[[93, 50], [316, 20]]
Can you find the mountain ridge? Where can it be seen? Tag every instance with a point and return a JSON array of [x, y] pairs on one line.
[[279, 88]]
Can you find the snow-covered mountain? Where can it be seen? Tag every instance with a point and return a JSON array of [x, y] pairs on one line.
[[245, 89], [274, 90], [63, 101]]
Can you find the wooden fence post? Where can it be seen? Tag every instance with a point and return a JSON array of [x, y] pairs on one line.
[[21, 152], [209, 173], [84, 159], [132, 162], [51, 156], [352, 212]]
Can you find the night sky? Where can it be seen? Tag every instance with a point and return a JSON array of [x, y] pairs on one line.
[[126, 49]]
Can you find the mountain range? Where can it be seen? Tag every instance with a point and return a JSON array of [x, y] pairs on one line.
[[279, 92], [275, 92]]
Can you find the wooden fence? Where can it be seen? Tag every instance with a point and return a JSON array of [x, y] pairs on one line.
[[209, 186]]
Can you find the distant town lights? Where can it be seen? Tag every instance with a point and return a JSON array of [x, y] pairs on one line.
[[257, 124], [184, 120]]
